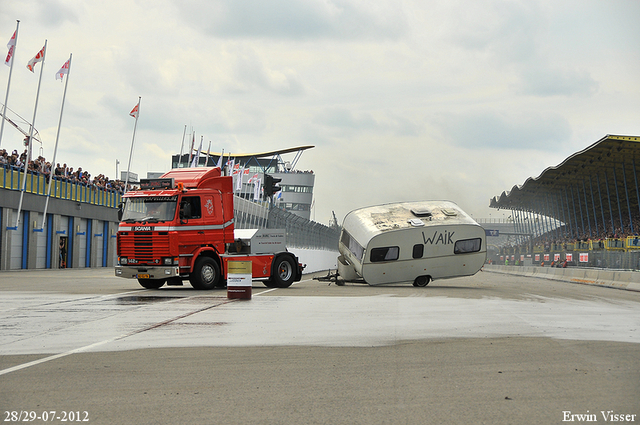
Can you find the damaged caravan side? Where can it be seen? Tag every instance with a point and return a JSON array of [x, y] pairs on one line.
[[410, 242]]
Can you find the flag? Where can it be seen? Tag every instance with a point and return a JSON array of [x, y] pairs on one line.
[[239, 180], [134, 111], [65, 70], [37, 58], [11, 45], [257, 184], [196, 158]]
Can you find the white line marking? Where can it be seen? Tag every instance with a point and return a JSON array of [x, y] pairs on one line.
[[106, 341]]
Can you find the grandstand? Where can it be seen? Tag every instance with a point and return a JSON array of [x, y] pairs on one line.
[[585, 211]]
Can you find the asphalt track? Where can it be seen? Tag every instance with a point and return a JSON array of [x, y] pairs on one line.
[[489, 349]]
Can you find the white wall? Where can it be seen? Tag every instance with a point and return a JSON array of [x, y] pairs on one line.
[[316, 259]]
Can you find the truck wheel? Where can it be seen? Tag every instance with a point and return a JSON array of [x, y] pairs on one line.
[[206, 274], [283, 272], [422, 281], [151, 283]]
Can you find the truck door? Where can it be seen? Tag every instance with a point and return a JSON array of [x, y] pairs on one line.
[[192, 234], [213, 220]]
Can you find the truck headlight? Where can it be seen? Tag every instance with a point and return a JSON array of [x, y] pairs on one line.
[[168, 261]]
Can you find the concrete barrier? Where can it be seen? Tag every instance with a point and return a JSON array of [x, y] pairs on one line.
[[620, 279], [316, 259]]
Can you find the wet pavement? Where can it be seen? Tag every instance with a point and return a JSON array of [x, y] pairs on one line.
[[45, 323], [83, 313]]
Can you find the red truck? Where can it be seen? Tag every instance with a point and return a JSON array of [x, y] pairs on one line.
[[181, 226]]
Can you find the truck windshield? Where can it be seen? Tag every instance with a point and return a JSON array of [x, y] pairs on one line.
[[150, 209]]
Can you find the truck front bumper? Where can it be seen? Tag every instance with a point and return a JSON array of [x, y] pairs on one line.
[[147, 272]]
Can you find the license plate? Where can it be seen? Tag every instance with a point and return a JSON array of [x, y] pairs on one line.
[[142, 276]]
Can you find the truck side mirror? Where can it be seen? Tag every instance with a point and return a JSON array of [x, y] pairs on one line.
[[120, 212]]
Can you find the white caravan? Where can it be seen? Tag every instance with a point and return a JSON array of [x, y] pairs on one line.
[[410, 242]]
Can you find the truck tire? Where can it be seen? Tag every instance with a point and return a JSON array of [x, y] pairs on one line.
[[206, 274], [151, 283], [284, 272]]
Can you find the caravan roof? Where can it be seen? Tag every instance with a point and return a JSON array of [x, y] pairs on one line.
[[365, 223]]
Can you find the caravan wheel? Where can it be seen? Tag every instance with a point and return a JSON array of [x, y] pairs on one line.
[[422, 281]]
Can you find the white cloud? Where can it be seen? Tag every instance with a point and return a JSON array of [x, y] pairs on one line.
[[403, 99], [296, 19]]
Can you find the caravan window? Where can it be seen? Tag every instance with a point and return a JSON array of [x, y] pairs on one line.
[[389, 253], [356, 249], [418, 250], [467, 245]]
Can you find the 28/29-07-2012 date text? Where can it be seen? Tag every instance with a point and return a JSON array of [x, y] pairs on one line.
[[46, 416]]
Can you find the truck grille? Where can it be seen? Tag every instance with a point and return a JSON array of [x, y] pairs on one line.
[[145, 247]]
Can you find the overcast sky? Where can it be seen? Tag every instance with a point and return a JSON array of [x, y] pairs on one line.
[[403, 99]]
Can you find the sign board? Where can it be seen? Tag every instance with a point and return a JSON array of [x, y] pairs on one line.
[[262, 241], [146, 184], [489, 232], [239, 280], [584, 257]]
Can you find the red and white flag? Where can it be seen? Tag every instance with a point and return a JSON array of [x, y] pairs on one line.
[[37, 58], [62, 71], [11, 45], [134, 111]]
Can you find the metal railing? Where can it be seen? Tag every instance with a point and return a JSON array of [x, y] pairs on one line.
[[300, 232], [303, 233], [12, 178]]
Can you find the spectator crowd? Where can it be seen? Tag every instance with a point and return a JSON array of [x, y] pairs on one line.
[[62, 172], [562, 236]]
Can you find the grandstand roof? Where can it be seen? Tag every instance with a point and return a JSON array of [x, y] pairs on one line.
[[262, 154], [581, 187]]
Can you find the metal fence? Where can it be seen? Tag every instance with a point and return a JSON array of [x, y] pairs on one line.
[[303, 233], [300, 232]]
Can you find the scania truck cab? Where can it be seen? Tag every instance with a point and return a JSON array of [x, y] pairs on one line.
[[181, 226]]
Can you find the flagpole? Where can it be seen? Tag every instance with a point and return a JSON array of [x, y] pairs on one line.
[[6, 96], [206, 163], [55, 148], [182, 145], [126, 183], [33, 124], [193, 141]]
